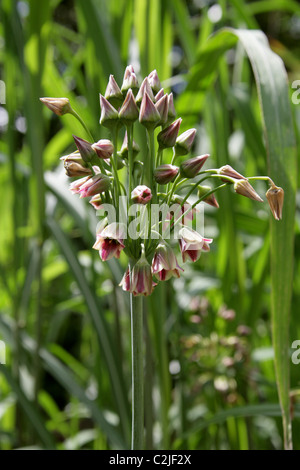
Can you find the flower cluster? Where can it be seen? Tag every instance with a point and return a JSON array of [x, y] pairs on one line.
[[107, 174]]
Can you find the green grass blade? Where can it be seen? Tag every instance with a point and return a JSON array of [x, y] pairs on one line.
[[271, 82]]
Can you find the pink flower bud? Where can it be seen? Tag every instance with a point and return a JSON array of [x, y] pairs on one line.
[[275, 197], [192, 244], [59, 106], [73, 157], [190, 168], [164, 264], [129, 111], [149, 116], [144, 88], [113, 93], [110, 241], [184, 142], [75, 185], [167, 137], [141, 195], [154, 81], [244, 188], [166, 173], [109, 115], [171, 111], [94, 185], [85, 148], [104, 148], [130, 80], [162, 106]]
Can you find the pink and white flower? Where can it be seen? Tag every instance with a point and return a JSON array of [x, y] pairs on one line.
[[164, 264], [192, 244], [110, 241]]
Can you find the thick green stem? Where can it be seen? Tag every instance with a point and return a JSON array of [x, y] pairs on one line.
[[136, 307]]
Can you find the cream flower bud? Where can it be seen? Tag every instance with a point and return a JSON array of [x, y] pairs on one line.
[[149, 116], [244, 188], [129, 111], [113, 93], [162, 106], [154, 81], [76, 169], [166, 173], [171, 111], [109, 115], [104, 148], [130, 80], [144, 88], [59, 106], [184, 142]]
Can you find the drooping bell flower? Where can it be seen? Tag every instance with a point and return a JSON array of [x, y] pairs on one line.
[[192, 244], [164, 264], [104, 148], [94, 185], [110, 241], [275, 197], [141, 282], [191, 167], [141, 195]]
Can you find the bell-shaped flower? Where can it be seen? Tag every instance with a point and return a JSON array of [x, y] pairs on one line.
[[110, 241], [164, 263], [192, 244], [275, 197], [141, 282]]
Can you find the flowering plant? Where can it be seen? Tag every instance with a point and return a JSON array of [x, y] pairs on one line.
[[141, 214]]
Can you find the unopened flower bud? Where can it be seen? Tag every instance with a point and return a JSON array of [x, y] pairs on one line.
[[129, 111], [191, 167], [73, 157], [160, 94], [94, 185], [96, 201], [149, 116], [141, 195], [75, 185], [85, 148], [162, 106], [166, 173], [184, 142], [109, 115], [171, 111], [144, 88], [167, 137], [210, 199], [130, 80], [113, 93], [75, 169], [154, 81], [227, 170], [124, 149], [275, 197], [243, 187], [59, 106], [104, 148]]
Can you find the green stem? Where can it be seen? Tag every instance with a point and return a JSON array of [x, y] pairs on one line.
[[137, 436], [76, 115], [129, 129]]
